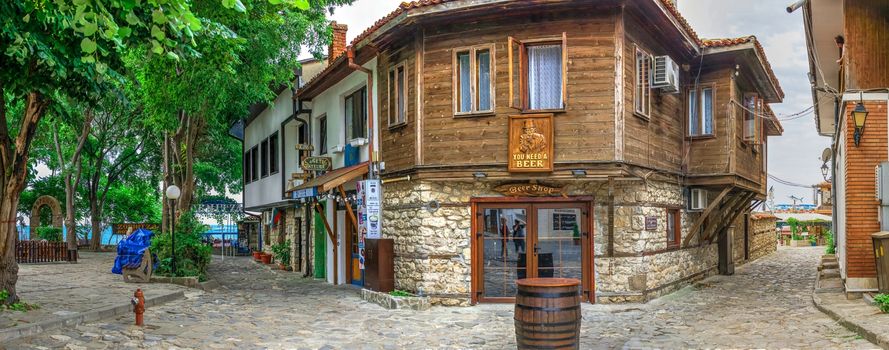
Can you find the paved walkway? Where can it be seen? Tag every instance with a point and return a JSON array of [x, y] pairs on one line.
[[62, 289], [766, 304]]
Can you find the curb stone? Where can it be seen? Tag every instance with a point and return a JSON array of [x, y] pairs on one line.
[[82, 317], [880, 340]]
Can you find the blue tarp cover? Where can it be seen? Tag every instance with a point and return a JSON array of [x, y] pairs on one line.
[[130, 250]]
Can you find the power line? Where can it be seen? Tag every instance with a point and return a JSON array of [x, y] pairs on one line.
[[788, 183]]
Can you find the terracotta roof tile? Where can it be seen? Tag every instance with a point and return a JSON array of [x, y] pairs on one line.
[[727, 42]]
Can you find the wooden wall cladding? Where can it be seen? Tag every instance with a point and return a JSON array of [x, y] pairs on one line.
[[584, 131], [398, 143]]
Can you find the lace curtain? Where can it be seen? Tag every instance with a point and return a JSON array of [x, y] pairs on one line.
[[545, 76]]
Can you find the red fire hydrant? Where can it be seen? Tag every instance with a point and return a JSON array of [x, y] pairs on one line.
[[138, 305]]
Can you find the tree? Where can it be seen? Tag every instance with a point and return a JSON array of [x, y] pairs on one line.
[[71, 168], [57, 50], [194, 99]]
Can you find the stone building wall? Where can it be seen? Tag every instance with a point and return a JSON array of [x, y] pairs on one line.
[[433, 254], [764, 240]]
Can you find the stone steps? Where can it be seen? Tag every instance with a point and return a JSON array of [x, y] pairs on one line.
[[830, 273]]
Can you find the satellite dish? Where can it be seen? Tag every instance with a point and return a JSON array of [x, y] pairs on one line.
[[825, 155]]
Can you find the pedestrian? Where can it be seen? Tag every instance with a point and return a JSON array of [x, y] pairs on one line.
[[518, 236], [504, 235]]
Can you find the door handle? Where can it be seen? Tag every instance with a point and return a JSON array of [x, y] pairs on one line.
[[536, 249]]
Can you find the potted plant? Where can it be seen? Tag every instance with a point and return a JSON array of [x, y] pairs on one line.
[[266, 258], [282, 254], [256, 255]]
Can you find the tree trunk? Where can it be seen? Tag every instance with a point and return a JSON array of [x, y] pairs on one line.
[[14, 163], [95, 216], [181, 151], [8, 267]]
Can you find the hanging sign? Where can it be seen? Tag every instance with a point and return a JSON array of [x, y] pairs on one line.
[[529, 190], [531, 143], [372, 197], [300, 176], [305, 193], [121, 229], [362, 221], [304, 147], [316, 163]]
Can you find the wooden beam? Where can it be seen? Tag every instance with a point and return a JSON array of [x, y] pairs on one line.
[[349, 212], [719, 216], [694, 228], [733, 211]]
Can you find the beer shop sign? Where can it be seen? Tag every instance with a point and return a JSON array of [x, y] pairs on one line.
[[531, 143]]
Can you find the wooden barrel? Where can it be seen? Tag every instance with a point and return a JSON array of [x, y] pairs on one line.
[[547, 313]]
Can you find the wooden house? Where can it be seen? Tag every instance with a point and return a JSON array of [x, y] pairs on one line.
[[598, 140], [848, 42]]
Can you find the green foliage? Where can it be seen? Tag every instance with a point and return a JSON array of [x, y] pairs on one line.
[[400, 293], [281, 251], [16, 306], [830, 243], [192, 255], [794, 225], [49, 233], [882, 301]]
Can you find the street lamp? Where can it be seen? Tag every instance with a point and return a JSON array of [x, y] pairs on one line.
[[859, 116], [173, 193], [824, 170]]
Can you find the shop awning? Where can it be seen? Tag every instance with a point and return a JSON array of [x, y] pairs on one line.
[[334, 178]]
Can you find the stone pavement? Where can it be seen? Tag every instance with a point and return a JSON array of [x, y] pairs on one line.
[[62, 289], [766, 304]]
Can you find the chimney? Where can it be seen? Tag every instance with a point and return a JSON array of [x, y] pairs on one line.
[[338, 44]]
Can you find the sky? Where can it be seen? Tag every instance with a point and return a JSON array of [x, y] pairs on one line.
[[793, 156]]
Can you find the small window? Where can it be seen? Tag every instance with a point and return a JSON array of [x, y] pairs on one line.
[[254, 162], [356, 114], [642, 90], [248, 173], [700, 112], [473, 80], [397, 95], [273, 153], [542, 74], [322, 135], [753, 110], [264, 150], [674, 227]]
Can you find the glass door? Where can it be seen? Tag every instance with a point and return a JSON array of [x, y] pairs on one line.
[[530, 240], [502, 241]]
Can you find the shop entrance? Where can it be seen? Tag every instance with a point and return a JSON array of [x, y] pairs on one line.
[[527, 240]]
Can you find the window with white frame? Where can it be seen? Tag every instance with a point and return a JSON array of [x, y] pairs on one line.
[[753, 111], [700, 111], [473, 80], [322, 135], [642, 88], [397, 95]]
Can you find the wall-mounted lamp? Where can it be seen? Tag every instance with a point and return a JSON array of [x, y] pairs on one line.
[[578, 173], [859, 116], [479, 175], [824, 170]]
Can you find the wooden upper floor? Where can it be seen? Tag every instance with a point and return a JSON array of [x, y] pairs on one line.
[[451, 75]]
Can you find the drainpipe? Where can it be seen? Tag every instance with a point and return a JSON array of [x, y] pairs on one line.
[[833, 170], [350, 53]]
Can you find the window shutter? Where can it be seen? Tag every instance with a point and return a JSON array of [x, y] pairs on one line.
[[564, 69], [515, 74]]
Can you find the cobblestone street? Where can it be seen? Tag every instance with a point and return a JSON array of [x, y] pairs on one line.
[[766, 304]]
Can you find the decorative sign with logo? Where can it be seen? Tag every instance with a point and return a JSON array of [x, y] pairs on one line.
[[529, 190], [531, 143], [305, 193], [121, 229], [316, 163], [650, 223], [372, 198], [304, 147]]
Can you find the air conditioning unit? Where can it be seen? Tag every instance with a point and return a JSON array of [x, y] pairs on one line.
[[666, 74], [697, 199]]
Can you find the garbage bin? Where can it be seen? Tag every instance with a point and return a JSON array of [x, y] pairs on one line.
[[881, 247]]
